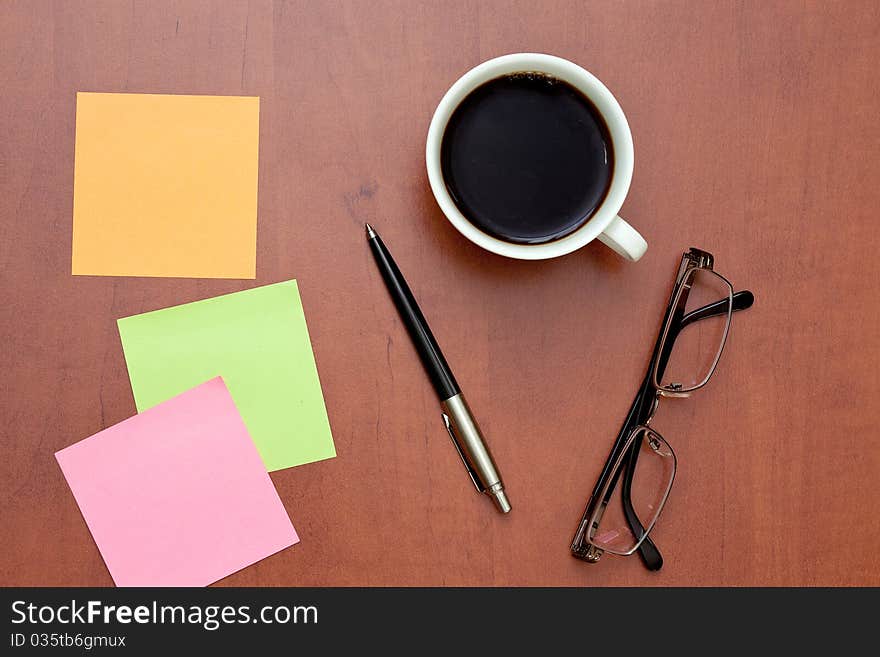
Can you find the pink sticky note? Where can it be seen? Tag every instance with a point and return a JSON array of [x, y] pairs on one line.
[[178, 495]]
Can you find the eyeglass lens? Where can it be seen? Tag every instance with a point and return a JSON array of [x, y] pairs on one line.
[[635, 494], [696, 345]]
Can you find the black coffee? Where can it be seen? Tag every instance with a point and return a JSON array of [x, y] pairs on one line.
[[527, 158]]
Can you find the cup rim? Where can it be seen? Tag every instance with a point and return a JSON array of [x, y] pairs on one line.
[[602, 99]]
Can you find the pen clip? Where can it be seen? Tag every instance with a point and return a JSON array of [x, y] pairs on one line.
[[467, 466]]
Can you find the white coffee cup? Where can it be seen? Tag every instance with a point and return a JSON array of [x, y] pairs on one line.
[[604, 224]]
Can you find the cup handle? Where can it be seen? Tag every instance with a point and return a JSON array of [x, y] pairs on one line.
[[624, 239]]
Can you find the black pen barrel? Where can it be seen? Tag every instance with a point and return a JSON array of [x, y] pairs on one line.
[[425, 344]]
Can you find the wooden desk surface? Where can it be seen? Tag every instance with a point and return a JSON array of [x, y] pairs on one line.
[[756, 136]]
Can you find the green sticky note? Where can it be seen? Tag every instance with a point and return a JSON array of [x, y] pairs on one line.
[[257, 340]]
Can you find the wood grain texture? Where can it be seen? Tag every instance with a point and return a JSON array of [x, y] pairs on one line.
[[756, 137]]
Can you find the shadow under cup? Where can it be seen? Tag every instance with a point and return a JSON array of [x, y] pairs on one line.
[[527, 158]]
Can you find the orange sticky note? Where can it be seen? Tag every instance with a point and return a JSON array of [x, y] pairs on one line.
[[165, 185]]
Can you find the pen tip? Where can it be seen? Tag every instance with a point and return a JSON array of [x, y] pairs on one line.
[[501, 502], [370, 232]]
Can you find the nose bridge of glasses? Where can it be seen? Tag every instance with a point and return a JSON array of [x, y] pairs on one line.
[[673, 390]]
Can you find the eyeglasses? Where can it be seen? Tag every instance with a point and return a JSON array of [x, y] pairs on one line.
[[637, 477]]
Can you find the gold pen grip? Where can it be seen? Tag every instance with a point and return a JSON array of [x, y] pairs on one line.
[[472, 449]]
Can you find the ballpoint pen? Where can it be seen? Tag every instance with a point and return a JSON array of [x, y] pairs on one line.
[[456, 415]]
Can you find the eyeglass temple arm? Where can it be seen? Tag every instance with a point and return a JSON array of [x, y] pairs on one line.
[[741, 301], [649, 552], [651, 556]]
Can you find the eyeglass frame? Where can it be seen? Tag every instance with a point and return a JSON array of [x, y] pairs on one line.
[[647, 399]]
